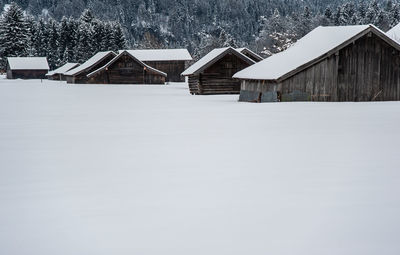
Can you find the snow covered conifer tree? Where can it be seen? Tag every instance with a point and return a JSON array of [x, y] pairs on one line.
[[118, 37], [53, 44], [14, 33]]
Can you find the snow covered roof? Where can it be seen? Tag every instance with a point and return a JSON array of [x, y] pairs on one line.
[[124, 53], [394, 33], [311, 48], [63, 69], [247, 50], [212, 57], [91, 62], [28, 63], [161, 54]]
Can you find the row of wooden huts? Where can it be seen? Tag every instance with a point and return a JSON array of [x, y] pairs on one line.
[[338, 63], [126, 67], [342, 63]]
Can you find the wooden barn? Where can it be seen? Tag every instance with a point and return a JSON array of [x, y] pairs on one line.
[[126, 69], [213, 73], [349, 63], [79, 74], [251, 54], [170, 61], [58, 74], [27, 68]]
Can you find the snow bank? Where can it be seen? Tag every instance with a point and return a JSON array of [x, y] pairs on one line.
[[152, 170]]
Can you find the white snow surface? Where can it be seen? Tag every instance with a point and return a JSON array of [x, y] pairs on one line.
[[90, 62], [28, 63], [315, 44], [63, 69], [215, 53], [394, 33], [161, 54], [114, 169]]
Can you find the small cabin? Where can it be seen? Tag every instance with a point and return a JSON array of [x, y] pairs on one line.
[[331, 64], [58, 74], [27, 68], [170, 61], [213, 73], [251, 54], [127, 69], [79, 74]]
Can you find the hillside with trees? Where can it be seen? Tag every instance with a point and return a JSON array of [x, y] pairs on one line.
[[63, 31]]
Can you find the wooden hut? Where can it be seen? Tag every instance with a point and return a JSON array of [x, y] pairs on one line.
[[170, 61], [58, 74], [126, 69], [79, 74], [350, 63], [212, 74], [27, 68], [251, 54]]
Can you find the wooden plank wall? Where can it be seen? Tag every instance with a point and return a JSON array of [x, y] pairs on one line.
[[82, 77], [217, 79], [172, 68], [27, 74], [127, 71], [366, 70]]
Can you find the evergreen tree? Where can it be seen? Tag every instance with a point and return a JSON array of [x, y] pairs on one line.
[[118, 38], [14, 34]]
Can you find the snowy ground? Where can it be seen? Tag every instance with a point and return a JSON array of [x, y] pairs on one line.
[[152, 170]]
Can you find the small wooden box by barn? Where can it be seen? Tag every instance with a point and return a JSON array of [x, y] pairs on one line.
[[58, 74], [350, 63], [213, 73], [27, 68], [79, 74], [126, 69], [170, 61]]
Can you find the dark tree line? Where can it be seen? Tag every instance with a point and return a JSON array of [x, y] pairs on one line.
[[266, 26], [67, 40]]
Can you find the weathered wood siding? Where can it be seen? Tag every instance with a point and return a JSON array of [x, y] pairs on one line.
[[127, 71], [82, 77], [217, 79], [172, 68], [366, 70], [27, 74]]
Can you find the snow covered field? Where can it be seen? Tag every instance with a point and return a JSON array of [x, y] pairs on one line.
[[150, 170]]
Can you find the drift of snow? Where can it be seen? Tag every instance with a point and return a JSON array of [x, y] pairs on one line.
[[63, 69], [213, 55], [90, 62], [28, 63], [161, 54], [315, 44], [152, 170]]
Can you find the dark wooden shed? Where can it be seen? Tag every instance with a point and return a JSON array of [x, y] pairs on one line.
[[126, 69], [170, 61], [27, 68], [58, 74], [213, 73], [79, 74], [351, 63]]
